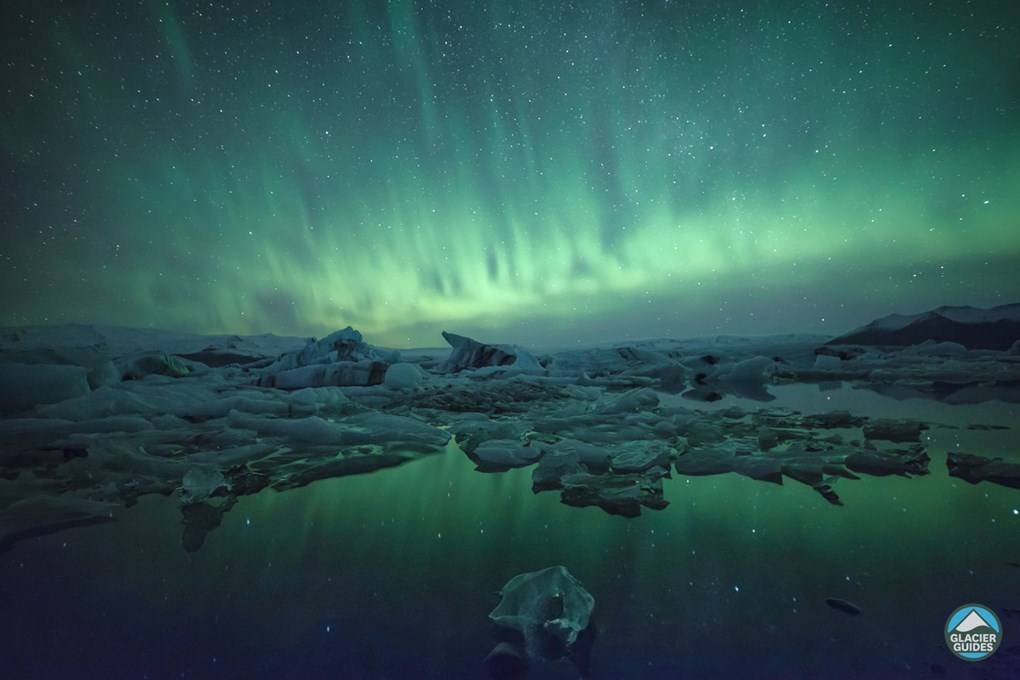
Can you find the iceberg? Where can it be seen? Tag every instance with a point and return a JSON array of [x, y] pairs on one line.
[[550, 608]]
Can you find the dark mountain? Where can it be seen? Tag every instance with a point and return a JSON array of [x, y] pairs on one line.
[[974, 328]]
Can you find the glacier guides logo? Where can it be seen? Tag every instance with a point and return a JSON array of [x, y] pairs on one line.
[[973, 632]]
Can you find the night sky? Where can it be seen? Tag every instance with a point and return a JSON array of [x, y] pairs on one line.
[[521, 171]]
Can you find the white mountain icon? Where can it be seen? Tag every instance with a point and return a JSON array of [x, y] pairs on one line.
[[971, 621]]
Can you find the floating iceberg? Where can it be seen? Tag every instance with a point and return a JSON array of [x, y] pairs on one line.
[[549, 608]]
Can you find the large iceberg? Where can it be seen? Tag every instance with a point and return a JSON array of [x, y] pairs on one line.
[[469, 354]]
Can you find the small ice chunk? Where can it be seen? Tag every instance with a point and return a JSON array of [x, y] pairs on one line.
[[256, 403], [201, 483], [827, 362], [114, 424], [589, 454], [397, 432], [973, 468], [755, 370], [312, 429], [404, 376], [340, 373], [641, 456], [549, 608], [137, 366], [641, 399], [505, 453], [706, 460], [552, 467], [894, 430]]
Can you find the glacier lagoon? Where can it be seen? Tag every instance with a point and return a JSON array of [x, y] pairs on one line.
[[391, 573]]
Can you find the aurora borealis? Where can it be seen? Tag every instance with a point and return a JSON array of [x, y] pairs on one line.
[[541, 172]]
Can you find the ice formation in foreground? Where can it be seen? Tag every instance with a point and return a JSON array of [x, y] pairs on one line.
[[551, 612]]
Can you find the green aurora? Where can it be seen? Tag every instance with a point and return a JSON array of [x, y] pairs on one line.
[[540, 172]]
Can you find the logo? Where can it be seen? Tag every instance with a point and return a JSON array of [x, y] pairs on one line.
[[973, 632]]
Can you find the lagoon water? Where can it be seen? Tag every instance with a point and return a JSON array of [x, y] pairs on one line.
[[391, 575]]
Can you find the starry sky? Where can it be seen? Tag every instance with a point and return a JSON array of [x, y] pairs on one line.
[[518, 170]]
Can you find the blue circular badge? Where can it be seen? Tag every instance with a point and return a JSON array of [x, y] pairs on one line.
[[973, 632]]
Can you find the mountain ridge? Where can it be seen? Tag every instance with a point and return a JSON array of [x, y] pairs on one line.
[[996, 328]]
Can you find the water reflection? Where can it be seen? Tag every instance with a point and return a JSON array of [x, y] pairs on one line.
[[391, 575]]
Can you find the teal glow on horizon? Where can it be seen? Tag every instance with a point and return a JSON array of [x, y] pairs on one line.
[[542, 172]]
